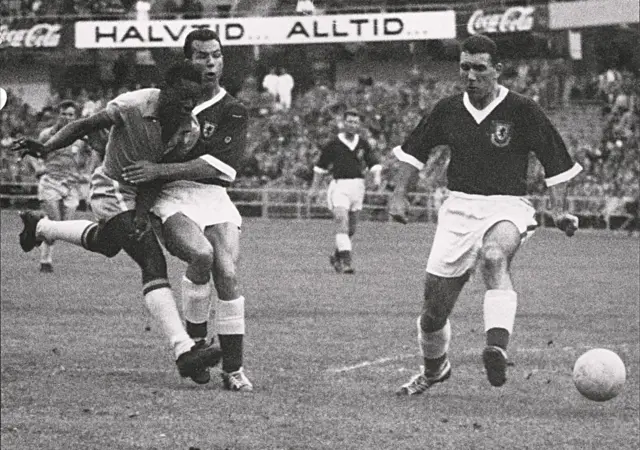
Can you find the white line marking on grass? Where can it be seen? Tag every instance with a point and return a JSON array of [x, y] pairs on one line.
[[515, 351], [370, 363]]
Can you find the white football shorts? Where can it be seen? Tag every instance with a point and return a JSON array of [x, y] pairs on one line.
[[463, 220], [54, 190], [347, 193], [205, 204], [109, 197]]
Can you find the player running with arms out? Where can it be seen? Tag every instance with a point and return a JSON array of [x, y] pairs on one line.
[[200, 223], [490, 132], [346, 157], [145, 124], [60, 174]]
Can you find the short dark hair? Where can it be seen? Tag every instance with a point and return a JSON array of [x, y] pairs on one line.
[[352, 112], [480, 43], [64, 104], [183, 70], [201, 34]]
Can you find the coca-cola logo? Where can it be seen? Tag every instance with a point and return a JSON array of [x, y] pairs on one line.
[[39, 35], [517, 18]]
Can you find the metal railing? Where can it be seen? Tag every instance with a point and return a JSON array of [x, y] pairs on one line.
[[595, 212]]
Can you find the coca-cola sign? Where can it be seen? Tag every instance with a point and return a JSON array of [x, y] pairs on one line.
[[38, 36], [517, 18]]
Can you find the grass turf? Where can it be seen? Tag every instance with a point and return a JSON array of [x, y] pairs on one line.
[[80, 368]]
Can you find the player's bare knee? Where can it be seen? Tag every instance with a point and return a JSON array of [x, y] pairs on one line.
[[493, 260], [201, 256]]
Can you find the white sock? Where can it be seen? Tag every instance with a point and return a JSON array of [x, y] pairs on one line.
[[162, 306], [196, 300], [500, 309], [45, 253], [230, 316], [65, 230], [343, 243], [435, 344]]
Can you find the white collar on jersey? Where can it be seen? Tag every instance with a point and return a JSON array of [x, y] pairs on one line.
[[480, 114], [350, 144], [212, 101]]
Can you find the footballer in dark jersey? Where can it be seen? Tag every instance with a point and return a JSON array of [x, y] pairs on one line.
[[200, 223], [490, 132], [347, 157]]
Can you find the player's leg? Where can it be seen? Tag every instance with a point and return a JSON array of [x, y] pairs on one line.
[[452, 257], [146, 251], [355, 191], [52, 206], [434, 331], [229, 317], [185, 240], [341, 259], [500, 244]]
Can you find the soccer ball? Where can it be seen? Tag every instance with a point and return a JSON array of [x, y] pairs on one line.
[[599, 374], [3, 98]]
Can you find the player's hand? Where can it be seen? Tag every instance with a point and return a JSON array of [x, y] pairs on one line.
[[567, 223], [398, 209], [141, 172], [29, 147]]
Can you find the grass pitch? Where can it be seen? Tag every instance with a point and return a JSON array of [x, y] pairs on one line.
[[81, 370]]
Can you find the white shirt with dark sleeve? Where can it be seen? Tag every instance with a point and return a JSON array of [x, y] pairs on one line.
[[490, 147]]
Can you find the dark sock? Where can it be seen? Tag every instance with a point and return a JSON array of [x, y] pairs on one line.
[[432, 365], [197, 331], [345, 256], [498, 337], [231, 345]]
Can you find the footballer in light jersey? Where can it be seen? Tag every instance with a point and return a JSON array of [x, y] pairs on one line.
[[490, 131], [200, 223], [147, 124], [347, 157], [60, 176]]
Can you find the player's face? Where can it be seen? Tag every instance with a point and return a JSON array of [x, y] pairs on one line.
[[479, 74], [66, 115], [207, 56], [352, 124]]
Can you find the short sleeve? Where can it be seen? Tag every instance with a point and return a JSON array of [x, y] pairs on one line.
[[226, 149], [550, 149], [326, 157], [425, 136]]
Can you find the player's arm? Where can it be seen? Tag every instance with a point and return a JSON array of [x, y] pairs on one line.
[[220, 157], [373, 163], [413, 154], [66, 136], [321, 169], [558, 166]]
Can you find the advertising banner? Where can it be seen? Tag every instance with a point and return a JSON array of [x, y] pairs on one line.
[[502, 20], [19, 34], [270, 30], [592, 13]]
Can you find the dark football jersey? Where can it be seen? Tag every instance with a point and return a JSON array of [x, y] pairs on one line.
[[223, 136], [490, 147], [346, 159]]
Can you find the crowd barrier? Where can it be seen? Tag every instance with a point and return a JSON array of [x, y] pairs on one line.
[[594, 212]]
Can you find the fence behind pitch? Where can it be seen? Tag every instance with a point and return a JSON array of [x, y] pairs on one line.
[[594, 212]]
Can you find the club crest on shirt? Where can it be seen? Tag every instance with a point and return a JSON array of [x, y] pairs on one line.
[[208, 129], [501, 133]]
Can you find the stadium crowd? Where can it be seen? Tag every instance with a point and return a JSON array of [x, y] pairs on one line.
[[284, 144]]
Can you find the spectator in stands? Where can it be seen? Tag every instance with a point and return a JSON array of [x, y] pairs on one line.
[[270, 83], [285, 87]]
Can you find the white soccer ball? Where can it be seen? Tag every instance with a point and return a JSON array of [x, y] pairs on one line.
[[3, 98], [599, 374]]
